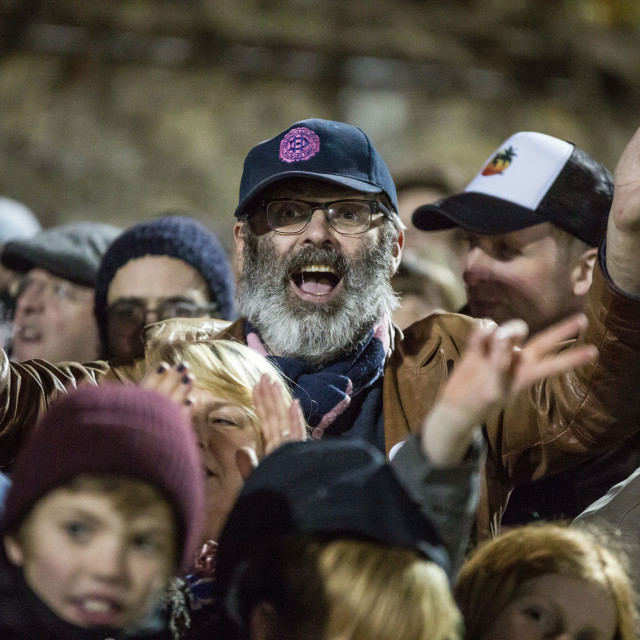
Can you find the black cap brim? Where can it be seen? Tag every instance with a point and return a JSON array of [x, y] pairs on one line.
[[475, 212]]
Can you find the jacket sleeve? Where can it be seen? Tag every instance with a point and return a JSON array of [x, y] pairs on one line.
[[27, 388], [447, 496], [568, 418]]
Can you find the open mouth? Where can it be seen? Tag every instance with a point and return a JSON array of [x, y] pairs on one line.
[[27, 335], [95, 610], [316, 280]]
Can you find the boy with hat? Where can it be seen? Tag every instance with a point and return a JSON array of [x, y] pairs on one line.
[[105, 506]]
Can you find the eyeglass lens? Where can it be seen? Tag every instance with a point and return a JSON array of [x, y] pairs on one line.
[[134, 312], [345, 216]]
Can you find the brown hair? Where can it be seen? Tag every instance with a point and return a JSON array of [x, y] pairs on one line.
[[487, 581]]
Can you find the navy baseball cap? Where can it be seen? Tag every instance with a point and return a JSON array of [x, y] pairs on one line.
[[319, 149], [334, 488], [530, 179]]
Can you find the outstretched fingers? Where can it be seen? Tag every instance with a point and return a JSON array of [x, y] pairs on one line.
[[540, 359]]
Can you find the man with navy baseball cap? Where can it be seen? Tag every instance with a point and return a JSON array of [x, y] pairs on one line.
[[318, 239]]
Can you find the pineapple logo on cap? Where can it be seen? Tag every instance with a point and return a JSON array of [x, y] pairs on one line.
[[500, 162]]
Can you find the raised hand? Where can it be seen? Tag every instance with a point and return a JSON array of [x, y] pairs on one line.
[[493, 368], [280, 421], [623, 231], [174, 382]]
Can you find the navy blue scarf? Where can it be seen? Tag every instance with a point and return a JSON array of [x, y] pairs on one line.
[[325, 393]]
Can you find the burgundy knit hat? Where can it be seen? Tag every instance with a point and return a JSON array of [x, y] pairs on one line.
[[113, 429]]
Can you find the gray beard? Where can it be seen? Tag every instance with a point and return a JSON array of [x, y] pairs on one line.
[[315, 332]]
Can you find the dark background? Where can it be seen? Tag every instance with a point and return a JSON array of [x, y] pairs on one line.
[[117, 110]]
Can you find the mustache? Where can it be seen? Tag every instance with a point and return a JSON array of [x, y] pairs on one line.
[[317, 255]]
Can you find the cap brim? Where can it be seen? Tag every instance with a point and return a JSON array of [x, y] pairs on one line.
[[352, 183], [22, 257], [476, 212]]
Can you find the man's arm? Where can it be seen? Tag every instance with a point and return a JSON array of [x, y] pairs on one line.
[[27, 389], [441, 467]]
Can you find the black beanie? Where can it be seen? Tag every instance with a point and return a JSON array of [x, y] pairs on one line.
[[177, 237]]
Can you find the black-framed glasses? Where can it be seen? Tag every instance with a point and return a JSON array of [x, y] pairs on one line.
[[348, 217], [132, 313]]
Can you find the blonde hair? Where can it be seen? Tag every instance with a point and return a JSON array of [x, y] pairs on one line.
[[382, 593], [487, 581], [225, 368]]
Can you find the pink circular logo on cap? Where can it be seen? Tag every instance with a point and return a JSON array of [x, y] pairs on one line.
[[299, 144]]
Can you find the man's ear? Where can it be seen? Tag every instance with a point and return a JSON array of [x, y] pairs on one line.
[[14, 551], [239, 239], [396, 252], [262, 622], [582, 272]]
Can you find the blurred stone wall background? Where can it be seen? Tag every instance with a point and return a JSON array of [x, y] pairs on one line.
[[118, 110]]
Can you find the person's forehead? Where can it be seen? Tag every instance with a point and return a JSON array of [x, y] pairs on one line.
[[525, 235], [155, 276], [37, 273], [308, 189]]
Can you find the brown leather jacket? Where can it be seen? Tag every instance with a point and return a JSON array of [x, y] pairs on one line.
[[554, 425]]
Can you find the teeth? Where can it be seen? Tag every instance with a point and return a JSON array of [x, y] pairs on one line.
[[28, 333], [320, 268], [97, 606]]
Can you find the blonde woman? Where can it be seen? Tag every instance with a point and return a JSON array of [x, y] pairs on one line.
[[238, 402]]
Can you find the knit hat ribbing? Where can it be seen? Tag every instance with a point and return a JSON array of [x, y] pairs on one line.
[[113, 429], [178, 237]]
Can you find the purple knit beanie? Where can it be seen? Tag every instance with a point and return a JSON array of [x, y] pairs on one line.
[[113, 429], [177, 237]]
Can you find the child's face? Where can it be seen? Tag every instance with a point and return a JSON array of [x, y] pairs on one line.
[[556, 606], [91, 563]]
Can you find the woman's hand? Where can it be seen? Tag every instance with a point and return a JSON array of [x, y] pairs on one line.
[[175, 382], [280, 421]]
